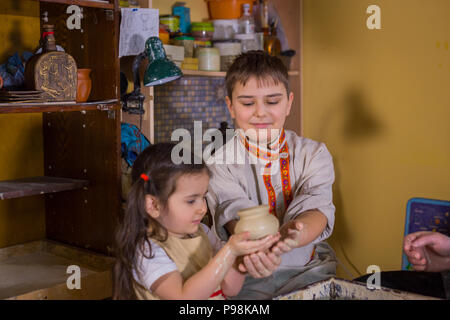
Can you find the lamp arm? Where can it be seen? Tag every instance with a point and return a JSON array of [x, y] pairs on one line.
[[135, 67]]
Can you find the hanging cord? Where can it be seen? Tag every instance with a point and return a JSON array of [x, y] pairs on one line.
[[140, 133], [349, 262]]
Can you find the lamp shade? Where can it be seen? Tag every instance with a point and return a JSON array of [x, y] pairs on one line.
[[160, 69]]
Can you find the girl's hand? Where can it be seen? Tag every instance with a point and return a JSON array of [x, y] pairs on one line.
[[241, 245]]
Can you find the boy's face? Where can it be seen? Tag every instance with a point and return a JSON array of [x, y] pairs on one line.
[[261, 107]]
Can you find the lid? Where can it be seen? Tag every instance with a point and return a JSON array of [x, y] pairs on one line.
[[207, 26], [208, 50], [225, 22], [245, 36], [203, 42], [168, 16], [184, 38], [227, 41], [229, 48]]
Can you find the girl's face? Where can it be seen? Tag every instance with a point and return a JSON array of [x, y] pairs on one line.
[[260, 107], [186, 206]]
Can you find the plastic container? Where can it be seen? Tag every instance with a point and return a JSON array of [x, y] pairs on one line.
[[248, 41], [225, 29], [208, 59], [229, 48], [172, 22], [164, 36], [229, 51], [187, 43], [202, 30], [185, 17], [246, 22], [133, 4], [226, 9], [202, 44], [190, 64]]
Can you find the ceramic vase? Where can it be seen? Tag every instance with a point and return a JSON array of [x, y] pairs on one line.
[[258, 221], [84, 84]]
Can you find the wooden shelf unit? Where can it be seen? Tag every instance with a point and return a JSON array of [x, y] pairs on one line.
[[84, 3], [25, 187], [57, 106], [82, 168]]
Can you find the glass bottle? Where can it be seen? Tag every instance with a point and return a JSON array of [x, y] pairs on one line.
[[51, 71], [272, 44], [246, 22], [264, 10]]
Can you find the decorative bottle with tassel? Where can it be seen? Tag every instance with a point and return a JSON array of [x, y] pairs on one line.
[[52, 72]]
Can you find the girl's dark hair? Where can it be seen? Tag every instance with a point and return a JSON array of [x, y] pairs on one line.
[[137, 226], [258, 64]]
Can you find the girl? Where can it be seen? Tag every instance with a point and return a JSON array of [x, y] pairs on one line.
[[163, 251]]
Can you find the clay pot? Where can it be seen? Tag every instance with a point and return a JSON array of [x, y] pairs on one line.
[[258, 221], [84, 85]]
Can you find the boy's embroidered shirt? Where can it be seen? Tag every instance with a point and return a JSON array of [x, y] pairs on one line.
[[297, 176], [274, 157]]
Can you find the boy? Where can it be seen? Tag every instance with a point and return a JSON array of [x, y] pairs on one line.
[[294, 175]]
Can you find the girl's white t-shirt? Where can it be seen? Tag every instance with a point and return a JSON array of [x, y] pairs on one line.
[[152, 269]]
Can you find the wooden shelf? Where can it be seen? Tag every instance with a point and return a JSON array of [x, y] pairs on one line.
[[38, 270], [57, 106], [220, 73], [19, 188], [83, 3]]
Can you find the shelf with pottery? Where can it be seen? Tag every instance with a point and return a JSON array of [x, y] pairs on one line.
[[220, 73], [76, 198], [85, 3], [58, 106]]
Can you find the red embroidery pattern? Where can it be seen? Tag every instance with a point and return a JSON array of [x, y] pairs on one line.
[[285, 177], [284, 169], [270, 191], [262, 153]]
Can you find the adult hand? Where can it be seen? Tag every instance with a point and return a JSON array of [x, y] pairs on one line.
[[428, 251]]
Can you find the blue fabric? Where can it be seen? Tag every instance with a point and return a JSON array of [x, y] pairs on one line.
[[13, 71], [133, 142]]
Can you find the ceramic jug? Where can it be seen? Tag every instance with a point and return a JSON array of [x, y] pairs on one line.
[[84, 85], [258, 221]]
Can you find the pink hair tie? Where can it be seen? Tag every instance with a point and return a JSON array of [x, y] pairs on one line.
[[145, 177]]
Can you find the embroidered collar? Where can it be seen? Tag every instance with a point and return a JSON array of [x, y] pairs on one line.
[[269, 153]]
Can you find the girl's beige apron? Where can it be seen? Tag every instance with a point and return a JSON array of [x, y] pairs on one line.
[[190, 256]]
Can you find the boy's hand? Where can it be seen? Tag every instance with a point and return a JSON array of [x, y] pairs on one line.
[[241, 245], [260, 264], [292, 234], [428, 251]]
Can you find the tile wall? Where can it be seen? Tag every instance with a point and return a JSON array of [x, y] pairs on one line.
[[179, 103]]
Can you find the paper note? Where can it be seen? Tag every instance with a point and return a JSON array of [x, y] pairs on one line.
[[137, 25]]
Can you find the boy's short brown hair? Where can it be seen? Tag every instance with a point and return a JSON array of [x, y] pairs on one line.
[[257, 64]]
